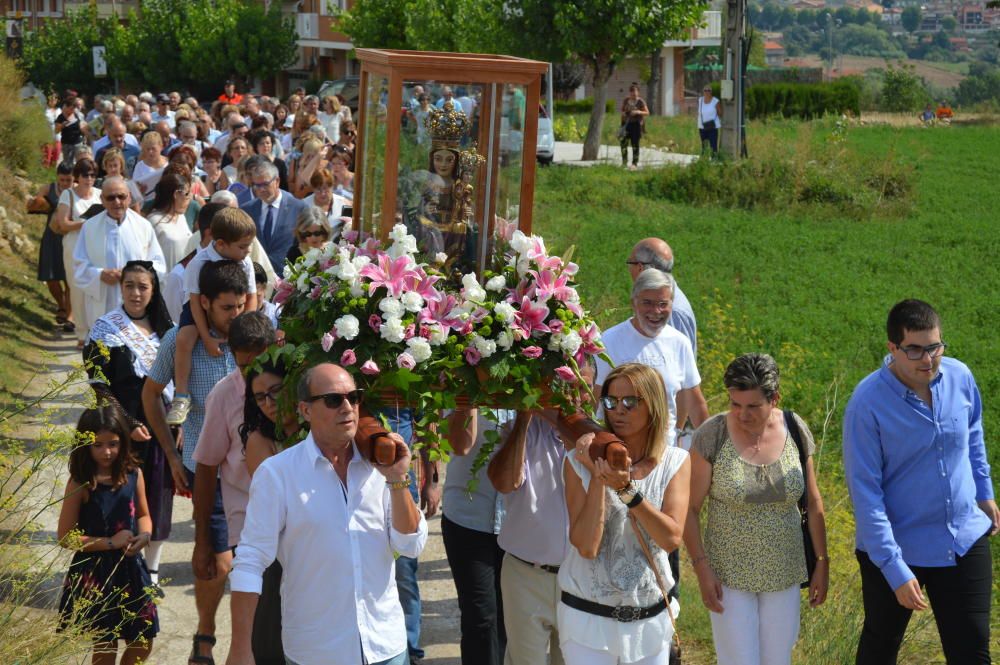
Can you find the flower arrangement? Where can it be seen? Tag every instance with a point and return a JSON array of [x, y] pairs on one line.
[[412, 335]]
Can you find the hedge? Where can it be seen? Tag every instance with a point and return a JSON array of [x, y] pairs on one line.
[[581, 105], [803, 100]]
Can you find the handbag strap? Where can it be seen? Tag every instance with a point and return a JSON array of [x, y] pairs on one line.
[[656, 572], [793, 429]]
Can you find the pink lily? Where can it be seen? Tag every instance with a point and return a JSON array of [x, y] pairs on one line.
[[439, 310], [531, 317], [422, 283], [390, 273], [547, 283]]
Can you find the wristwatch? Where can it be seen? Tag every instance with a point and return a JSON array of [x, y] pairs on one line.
[[628, 493]]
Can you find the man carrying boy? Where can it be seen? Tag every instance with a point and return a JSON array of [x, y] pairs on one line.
[[233, 232], [222, 295]]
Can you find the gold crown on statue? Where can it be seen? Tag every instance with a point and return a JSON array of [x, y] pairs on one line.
[[447, 125]]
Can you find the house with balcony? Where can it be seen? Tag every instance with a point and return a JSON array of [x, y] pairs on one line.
[[671, 98]]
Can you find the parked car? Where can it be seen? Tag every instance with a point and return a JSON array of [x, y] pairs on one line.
[[545, 150], [348, 88]]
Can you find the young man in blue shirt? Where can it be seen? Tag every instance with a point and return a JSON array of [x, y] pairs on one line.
[[917, 471]]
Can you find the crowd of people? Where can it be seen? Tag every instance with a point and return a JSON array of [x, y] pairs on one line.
[[161, 262]]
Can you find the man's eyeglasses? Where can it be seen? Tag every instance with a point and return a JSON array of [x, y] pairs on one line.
[[115, 197], [313, 234], [272, 395], [263, 185], [638, 263], [916, 352], [334, 400], [629, 402]]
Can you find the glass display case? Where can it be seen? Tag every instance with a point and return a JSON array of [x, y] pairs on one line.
[[446, 146]]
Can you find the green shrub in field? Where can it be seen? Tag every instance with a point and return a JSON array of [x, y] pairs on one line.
[[566, 129], [23, 129], [827, 175], [804, 100], [580, 105]]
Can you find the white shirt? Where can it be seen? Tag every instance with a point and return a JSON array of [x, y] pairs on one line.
[[708, 111], [168, 116], [536, 526], [172, 233], [335, 544], [174, 295], [257, 255], [669, 353], [104, 243], [209, 254]]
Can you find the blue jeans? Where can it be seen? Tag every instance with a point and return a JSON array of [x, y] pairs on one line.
[[401, 422]]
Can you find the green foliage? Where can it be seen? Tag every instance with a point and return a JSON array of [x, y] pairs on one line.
[[902, 89], [982, 86], [866, 40], [566, 129], [585, 105], [803, 100], [911, 18], [23, 129], [58, 55]]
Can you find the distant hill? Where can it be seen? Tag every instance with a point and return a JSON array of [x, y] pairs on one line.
[[940, 75]]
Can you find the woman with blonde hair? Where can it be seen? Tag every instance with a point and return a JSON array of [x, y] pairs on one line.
[[302, 168], [329, 116], [112, 165], [151, 163], [622, 525]]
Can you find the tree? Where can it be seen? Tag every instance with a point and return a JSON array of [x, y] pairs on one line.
[[58, 55], [902, 89], [770, 15], [949, 23], [911, 18], [566, 78], [982, 85]]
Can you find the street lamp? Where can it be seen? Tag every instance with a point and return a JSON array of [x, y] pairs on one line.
[[829, 31]]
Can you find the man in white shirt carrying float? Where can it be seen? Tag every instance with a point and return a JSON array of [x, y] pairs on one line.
[[333, 520]]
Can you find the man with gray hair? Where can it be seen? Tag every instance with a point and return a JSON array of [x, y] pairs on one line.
[[274, 211], [656, 253]]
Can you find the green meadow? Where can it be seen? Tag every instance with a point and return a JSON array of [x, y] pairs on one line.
[[810, 284]]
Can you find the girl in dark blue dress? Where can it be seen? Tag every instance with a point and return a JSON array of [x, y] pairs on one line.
[[108, 591]]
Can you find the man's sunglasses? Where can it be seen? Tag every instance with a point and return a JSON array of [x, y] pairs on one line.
[[629, 402], [334, 400], [115, 197]]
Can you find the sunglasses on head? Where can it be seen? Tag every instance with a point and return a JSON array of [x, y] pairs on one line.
[[334, 400], [629, 402]]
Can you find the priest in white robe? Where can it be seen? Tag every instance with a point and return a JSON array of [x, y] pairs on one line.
[[107, 242]]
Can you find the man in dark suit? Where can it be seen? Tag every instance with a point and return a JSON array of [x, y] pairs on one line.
[[274, 211]]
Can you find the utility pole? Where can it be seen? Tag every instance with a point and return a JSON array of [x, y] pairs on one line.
[[733, 84]]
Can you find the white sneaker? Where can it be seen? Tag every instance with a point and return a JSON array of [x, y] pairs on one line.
[[179, 409]]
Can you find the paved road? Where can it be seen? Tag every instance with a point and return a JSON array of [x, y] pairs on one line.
[[177, 612], [571, 153]]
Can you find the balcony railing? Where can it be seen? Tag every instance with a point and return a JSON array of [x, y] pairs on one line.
[[708, 32]]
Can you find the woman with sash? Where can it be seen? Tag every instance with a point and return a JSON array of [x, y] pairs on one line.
[[121, 348]]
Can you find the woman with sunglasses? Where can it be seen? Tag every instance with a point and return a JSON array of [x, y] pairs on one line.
[[622, 525], [751, 562], [261, 440], [67, 222], [312, 229]]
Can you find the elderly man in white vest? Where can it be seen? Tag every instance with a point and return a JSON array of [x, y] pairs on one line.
[[107, 242]]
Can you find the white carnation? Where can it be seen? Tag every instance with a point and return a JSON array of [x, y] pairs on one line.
[[554, 342], [569, 342], [356, 289], [505, 339], [347, 326], [360, 262], [391, 307], [520, 243], [392, 329], [486, 347], [496, 283], [504, 312], [412, 301], [472, 289], [398, 232], [440, 257], [419, 348]]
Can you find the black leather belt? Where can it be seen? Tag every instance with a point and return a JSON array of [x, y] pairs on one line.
[[621, 613], [541, 566]]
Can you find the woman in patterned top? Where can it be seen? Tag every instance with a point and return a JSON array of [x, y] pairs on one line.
[[612, 609], [752, 562]]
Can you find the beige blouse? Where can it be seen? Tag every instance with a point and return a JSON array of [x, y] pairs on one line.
[[753, 537]]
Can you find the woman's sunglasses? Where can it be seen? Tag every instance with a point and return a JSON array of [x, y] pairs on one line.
[[629, 402], [334, 400], [313, 234]]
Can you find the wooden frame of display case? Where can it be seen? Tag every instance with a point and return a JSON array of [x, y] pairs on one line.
[[397, 67]]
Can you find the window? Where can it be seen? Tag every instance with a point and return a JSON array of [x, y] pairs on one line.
[[331, 7]]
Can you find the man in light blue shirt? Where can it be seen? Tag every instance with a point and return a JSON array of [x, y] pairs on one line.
[[917, 471]]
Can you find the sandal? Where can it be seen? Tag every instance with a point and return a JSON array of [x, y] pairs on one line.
[[68, 327], [195, 657], [61, 316]]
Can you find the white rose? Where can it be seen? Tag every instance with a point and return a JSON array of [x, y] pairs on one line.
[[412, 301], [505, 339], [504, 311], [360, 262], [440, 257], [347, 326], [520, 243], [496, 283], [419, 348], [303, 283], [356, 289], [554, 342], [398, 232], [392, 329], [391, 307], [346, 270], [486, 347], [570, 342], [439, 334]]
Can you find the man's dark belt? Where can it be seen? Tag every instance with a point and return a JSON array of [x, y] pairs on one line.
[[622, 613], [541, 566]]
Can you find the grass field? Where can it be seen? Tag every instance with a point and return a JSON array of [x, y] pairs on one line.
[[813, 289]]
